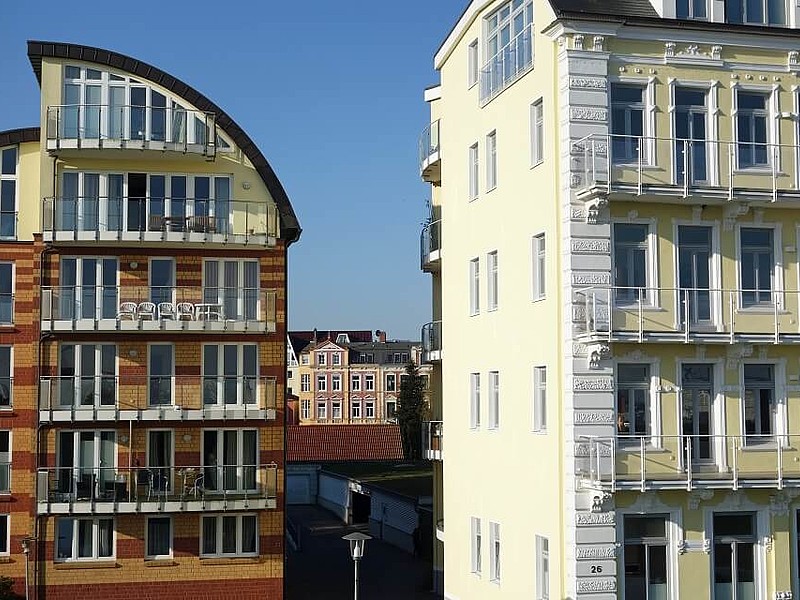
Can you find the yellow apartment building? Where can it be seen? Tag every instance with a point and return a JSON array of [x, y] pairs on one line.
[[615, 231]]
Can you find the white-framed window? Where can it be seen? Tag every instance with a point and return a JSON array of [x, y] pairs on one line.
[[160, 459], [84, 539], [539, 259], [87, 460], [230, 460], [759, 405], [691, 9], [542, 568], [369, 382], [6, 293], [758, 268], [161, 374], [322, 383], [474, 171], [492, 283], [391, 409], [355, 409], [88, 288], [321, 359], [336, 382], [474, 400], [229, 535], [391, 382], [633, 263], [475, 544], [474, 286], [758, 12], [369, 409], [336, 409], [235, 285], [646, 557], [633, 402], [494, 399], [472, 63], [305, 382], [336, 359], [627, 122], [158, 542], [86, 376], [5, 461], [355, 382], [305, 409], [6, 376], [540, 399], [8, 192], [494, 552], [537, 132], [304, 359], [230, 374], [509, 46], [491, 161], [752, 128], [5, 535], [322, 410]]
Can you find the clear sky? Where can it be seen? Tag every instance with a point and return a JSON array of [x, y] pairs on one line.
[[332, 94]]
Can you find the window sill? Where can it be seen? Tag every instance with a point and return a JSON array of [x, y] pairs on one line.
[[759, 170], [160, 562], [95, 564], [542, 299], [474, 199], [536, 164], [761, 310], [233, 560], [765, 447], [491, 189]]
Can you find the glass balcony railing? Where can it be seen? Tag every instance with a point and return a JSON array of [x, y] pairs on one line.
[[513, 60], [109, 397], [432, 342], [96, 307], [432, 437], [638, 166], [430, 245], [429, 153], [6, 309], [105, 218], [691, 461], [96, 126]]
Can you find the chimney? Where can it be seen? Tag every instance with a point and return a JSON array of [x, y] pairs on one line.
[[315, 336], [381, 335]]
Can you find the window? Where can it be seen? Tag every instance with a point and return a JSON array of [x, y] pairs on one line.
[[337, 359], [539, 266], [537, 132], [235, 285], [160, 459], [159, 537], [751, 129], [322, 383], [86, 463], [305, 382], [735, 556], [355, 409], [230, 460], [336, 382], [86, 376], [404, 358], [760, 417], [494, 558], [631, 259], [88, 289], [472, 63], [494, 399], [391, 409], [304, 359], [474, 169], [543, 568], [540, 399], [391, 382], [84, 539], [691, 9], [491, 267], [5, 531], [757, 266], [5, 461], [509, 46], [760, 12], [369, 382], [229, 535], [355, 383], [161, 373], [342, 338], [474, 400], [322, 411], [645, 557], [230, 374], [633, 402], [474, 286], [321, 359], [305, 409], [8, 193], [627, 123], [6, 376], [6, 293], [369, 409], [491, 161], [475, 544], [336, 409]]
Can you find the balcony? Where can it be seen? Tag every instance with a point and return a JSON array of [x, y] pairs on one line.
[[654, 169], [86, 490], [123, 308], [430, 160], [509, 64], [690, 462], [430, 246], [104, 219], [432, 436], [688, 315], [76, 399], [432, 342], [88, 129]]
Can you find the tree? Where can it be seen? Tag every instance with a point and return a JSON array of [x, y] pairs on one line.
[[412, 407], [6, 589]]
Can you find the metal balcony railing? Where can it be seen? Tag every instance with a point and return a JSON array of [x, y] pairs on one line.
[[430, 244], [90, 484], [86, 218], [432, 438], [513, 59], [148, 308], [429, 146], [432, 341], [97, 395], [686, 314], [691, 461], [722, 170], [6, 309], [126, 126]]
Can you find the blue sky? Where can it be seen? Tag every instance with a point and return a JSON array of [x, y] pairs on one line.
[[332, 94]]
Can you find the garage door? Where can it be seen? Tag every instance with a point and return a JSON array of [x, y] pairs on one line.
[[298, 488]]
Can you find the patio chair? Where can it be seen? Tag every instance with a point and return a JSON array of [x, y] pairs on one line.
[[185, 311], [146, 311], [127, 311], [166, 310]]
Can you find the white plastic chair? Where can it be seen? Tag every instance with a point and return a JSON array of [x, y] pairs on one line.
[[166, 310], [127, 311], [146, 311], [185, 311]]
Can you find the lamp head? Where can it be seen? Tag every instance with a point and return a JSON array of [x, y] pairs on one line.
[[356, 541]]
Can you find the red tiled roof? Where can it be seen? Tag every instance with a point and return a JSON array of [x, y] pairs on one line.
[[328, 443]]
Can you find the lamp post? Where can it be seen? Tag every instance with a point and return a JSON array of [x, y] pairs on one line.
[[26, 550], [356, 541]]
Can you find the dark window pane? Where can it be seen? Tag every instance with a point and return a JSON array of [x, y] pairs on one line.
[[9, 161], [734, 524], [644, 527]]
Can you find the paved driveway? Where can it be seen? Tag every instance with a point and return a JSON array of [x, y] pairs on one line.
[[322, 568]]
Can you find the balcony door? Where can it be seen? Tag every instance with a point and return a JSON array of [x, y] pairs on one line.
[[232, 284], [79, 208], [697, 400], [86, 462], [695, 254], [691, 136], [87, 375], [88, 288], [162, 280], [230, 459]]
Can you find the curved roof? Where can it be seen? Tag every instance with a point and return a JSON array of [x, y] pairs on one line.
[[18, 136], [37, 50]]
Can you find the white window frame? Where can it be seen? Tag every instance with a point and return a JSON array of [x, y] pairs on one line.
[[95, 540], [13, 267], [9, 459], [651, 295], [10, 377], [495, 552], [336, 410], [304, 359], [149, 556], [492, 281], [537, 132], [355, 409], [336, 382], [355, 382], [473, 63], [240, 374], [542, 568], [305, 409], [780, 417], [321, 359], [15, 178], [475, 545], [777, 272], [770, 113], [149, 374], [474, 171], [305, 382], [369, 382], [336, 359], [539, 267], [322, 383], [474, 401], [369, 408], [539, 410], [393, 378], [491, 160], [219, 534], [322, 410], [494, 400], [474, 286]]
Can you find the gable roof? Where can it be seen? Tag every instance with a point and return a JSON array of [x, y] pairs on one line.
[[37, 50], [332, 443], [18, 136]]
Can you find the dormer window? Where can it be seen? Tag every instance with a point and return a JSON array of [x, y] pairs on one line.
[[509, 46], [756, 12], [342, 338], [691, 9]]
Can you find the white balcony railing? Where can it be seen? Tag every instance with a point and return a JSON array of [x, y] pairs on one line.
[[690, 461], [430, 245], [687, 314], [721, 170], [432, 341], [432, 438], [430, 153], [513, 59]]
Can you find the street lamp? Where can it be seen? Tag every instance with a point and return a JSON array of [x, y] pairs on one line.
[[26, 550], [357, 541]]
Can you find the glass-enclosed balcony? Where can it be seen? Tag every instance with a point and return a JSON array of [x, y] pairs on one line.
[[650, 168], [191, 309], [432, 437], [91, 489], [432, 342], [687, 315], [77, 398], [690, 461], [430, 246], [508, 64], [430, 159], [86, 127], [159, 219]]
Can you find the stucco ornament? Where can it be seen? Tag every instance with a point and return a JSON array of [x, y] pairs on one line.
[[597, 353]]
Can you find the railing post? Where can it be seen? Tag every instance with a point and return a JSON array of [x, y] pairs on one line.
[[780, 463], [613, 452], [689, 463], [732, 315], [641, 163], [641, 317], [774, 174], [731, 167], [608, 164], [643, 459], [609, 297], [735, 466], [775, 316], [685, 168], [686, 315]]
